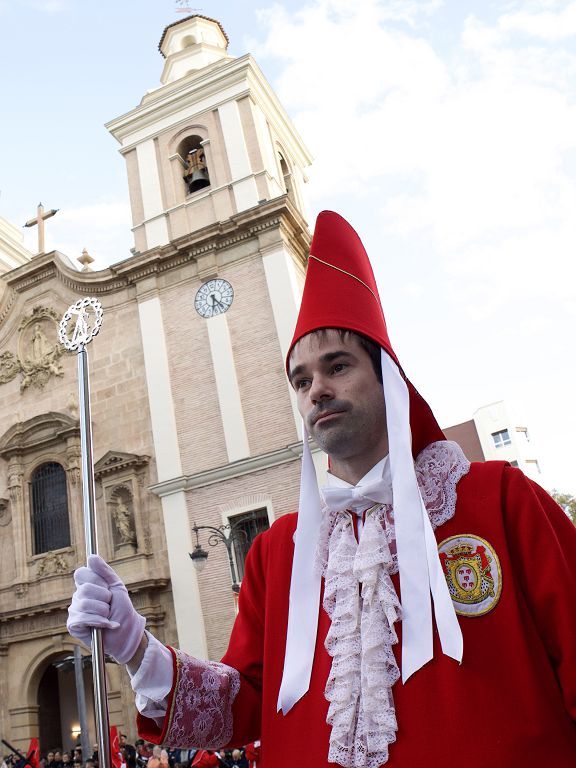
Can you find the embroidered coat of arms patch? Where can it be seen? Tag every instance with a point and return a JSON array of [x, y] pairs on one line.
[[472, 571]]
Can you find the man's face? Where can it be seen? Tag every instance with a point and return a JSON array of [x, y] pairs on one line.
[[57, 755], [50, 756], [340, 397]]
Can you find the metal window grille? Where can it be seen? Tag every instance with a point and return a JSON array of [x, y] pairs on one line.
[[246, 527], [49, 502]]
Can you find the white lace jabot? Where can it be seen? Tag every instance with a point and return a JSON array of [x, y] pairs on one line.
[[360, 599]]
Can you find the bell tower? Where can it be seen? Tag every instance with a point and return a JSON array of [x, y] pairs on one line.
[[216, 175], [213, 140]]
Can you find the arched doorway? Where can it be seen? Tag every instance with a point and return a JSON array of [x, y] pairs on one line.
[[58, 718]]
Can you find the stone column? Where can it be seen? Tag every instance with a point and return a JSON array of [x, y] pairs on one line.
[[74, 477], [15, 488]]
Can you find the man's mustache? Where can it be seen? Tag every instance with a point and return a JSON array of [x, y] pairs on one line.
[[325, 407]]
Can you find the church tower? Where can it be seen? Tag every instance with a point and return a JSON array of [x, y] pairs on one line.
[[216, 172]]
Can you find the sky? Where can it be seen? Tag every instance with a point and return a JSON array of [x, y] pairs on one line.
[[445, 131]]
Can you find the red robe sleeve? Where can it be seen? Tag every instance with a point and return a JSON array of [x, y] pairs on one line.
[[199, 707], [246, 647], [213, 704], [543, 552]]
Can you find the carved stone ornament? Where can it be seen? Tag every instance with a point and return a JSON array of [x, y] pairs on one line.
[[52, 563], [21, 590], [116, 462], [74, 459], [38, 351], [9, 367], [15, 475], [5, 514]]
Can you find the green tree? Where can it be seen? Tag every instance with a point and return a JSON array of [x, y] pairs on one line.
[[567, 502]]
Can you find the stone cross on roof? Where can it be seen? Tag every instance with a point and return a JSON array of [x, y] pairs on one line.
[[39, 220]]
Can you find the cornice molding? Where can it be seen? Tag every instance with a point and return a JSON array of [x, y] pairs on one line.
[[37, 433], [289, 453], [213, 85], [278, 213]]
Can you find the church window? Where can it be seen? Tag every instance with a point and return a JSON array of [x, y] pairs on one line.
[[196, 175], [245, 528], [49, 504]]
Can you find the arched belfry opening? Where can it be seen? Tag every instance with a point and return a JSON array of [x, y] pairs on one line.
[[187, 42], [287, 177], [58, 716], [196, 175]]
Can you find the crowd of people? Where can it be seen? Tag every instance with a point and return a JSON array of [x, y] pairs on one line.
[[143, 754]]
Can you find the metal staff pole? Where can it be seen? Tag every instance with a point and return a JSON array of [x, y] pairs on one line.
[[88, 314]]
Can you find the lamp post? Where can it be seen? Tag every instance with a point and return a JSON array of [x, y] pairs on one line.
[[227, 534]]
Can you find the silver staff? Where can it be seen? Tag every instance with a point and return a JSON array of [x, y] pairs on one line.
[[84, 320]]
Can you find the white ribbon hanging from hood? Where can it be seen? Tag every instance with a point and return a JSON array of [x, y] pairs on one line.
[[421, 576]]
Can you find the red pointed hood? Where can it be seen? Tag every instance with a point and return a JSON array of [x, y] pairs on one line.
[[340, 292]]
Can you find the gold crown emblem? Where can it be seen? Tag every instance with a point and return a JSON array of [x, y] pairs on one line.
[[462, 549]]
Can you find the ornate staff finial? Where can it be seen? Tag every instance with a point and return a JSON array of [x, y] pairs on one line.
[[89, 315]]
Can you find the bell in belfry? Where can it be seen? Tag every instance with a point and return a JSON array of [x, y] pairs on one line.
[[196, 176]]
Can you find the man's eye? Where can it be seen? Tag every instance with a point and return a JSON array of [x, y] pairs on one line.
[[337, 367], [301, 383]]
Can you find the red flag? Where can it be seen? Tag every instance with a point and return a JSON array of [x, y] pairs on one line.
[[33, 753], [116, 752]]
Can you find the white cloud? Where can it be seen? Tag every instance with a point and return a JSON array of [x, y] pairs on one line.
[[545, 25], [465, 155]]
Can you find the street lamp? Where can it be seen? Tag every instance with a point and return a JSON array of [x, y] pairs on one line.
[[228, 534]]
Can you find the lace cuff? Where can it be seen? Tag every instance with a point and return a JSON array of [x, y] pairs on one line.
[[201, 709]]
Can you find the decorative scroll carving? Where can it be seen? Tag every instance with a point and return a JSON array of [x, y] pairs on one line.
[[52, 563], [38, 351], [9, 367]]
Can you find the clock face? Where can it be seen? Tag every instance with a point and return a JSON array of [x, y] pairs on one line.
[[214, 298]]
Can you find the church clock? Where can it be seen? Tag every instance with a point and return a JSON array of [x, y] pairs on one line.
[[214, 298]]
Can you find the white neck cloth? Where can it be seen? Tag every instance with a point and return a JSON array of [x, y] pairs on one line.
[[420, 571]]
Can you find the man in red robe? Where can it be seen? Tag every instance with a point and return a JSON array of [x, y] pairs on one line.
[[418, 611]]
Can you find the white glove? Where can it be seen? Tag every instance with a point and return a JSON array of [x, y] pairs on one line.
[[101, 600]]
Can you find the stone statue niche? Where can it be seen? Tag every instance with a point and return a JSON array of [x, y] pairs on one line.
[[121, 507]]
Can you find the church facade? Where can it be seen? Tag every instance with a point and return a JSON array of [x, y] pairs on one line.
[[194, 425]]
